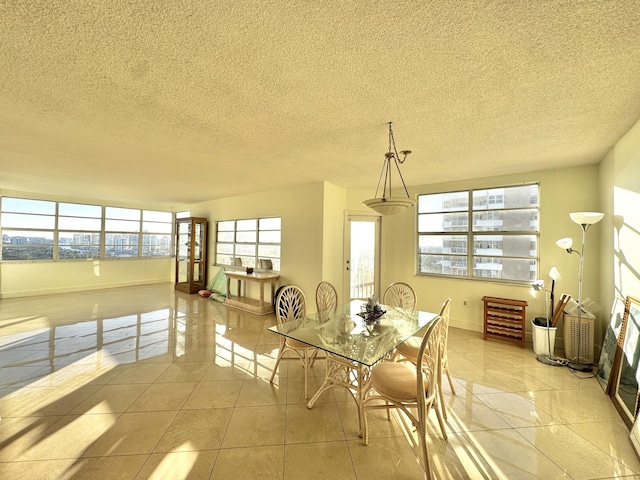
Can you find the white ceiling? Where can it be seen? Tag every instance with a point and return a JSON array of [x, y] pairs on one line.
[[174, 102]]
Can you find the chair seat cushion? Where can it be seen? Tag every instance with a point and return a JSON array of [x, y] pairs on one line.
[[396, 380], [410, 348], [296, 344]]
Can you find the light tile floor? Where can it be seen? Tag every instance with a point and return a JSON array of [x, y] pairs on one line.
[[145, 382]]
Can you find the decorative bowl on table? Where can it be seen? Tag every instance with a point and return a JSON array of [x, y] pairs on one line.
[[372, 316]]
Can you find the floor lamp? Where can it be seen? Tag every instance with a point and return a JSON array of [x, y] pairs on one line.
[[549, 358], [585, 220]]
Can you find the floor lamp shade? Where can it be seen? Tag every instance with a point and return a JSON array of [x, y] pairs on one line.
[[585, 220]]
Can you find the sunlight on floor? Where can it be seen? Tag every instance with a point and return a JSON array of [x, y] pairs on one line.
[[116, 387]]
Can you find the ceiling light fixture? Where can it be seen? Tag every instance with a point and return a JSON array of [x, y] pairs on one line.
[[388, 204]]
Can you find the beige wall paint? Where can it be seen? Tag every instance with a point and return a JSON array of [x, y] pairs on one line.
[[561, 192], [301, 209], [313, 223], [23, 279], [620, 237], [335, 200]]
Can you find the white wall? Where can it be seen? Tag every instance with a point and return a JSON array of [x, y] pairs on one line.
[[301, 209], [335, 199], [22, 279], [620, 235]]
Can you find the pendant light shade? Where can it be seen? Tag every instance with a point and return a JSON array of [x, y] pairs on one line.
[[386, 204], [389, 205]]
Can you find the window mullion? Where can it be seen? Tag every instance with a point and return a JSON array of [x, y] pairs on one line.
[[56, 233], [103, 233], [470, 252]]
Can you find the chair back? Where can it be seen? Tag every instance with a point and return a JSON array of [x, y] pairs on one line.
[[291, 304], [400, 294], [444, 313], [326, 299], [428, 365]]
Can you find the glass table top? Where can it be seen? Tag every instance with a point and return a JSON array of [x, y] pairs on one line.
[[328, 331]]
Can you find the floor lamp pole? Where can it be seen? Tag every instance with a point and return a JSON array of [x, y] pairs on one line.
[[578, 365], [549, 358], [585, 220]]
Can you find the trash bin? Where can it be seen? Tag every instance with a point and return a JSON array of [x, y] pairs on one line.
[[539, 337]]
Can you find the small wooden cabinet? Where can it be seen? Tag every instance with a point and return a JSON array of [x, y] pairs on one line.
[[504, 319], [191, 254]]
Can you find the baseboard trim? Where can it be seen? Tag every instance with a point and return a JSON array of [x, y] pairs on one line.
[[79, 288]]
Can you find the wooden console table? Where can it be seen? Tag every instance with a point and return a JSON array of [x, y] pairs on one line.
[[251, 305], [504, 319]]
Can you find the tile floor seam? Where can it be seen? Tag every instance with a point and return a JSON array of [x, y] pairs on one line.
[[517, 430]]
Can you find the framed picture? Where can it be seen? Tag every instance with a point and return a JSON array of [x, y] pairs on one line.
[[608, 354], [635, 436], [625, 390]]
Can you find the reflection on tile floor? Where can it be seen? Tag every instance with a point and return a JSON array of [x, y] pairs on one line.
[[145, 382]]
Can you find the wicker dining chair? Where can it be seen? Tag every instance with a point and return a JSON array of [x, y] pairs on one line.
[[408, 351], [412, 389], [400, 294], [326, 299], [291, 305]]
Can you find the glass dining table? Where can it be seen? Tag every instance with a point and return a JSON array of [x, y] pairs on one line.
[[351, 352]]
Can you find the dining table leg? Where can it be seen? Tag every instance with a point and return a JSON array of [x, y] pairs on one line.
[[364, 375], [352, 376], [334, 373]]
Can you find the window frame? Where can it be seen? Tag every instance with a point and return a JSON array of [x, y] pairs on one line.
[[60, 230], [27, 213], [54, 230], [237, 244], [473, 235]]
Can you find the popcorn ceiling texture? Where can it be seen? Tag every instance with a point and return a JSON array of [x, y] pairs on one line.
[[173, 102]]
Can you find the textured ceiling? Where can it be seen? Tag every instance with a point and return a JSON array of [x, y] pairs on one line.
[[173, 102]]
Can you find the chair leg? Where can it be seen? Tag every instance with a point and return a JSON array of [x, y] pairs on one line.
[[365, 426], [425, 454], [305, 364], [441, 403], [446, 370], [275, 368], [440, 421]]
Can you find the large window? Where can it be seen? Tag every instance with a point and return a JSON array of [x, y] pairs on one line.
[[486, 233], [28, 228], [48, 230], [122, 232], [79, 228], [156, 233], [251, 242]]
